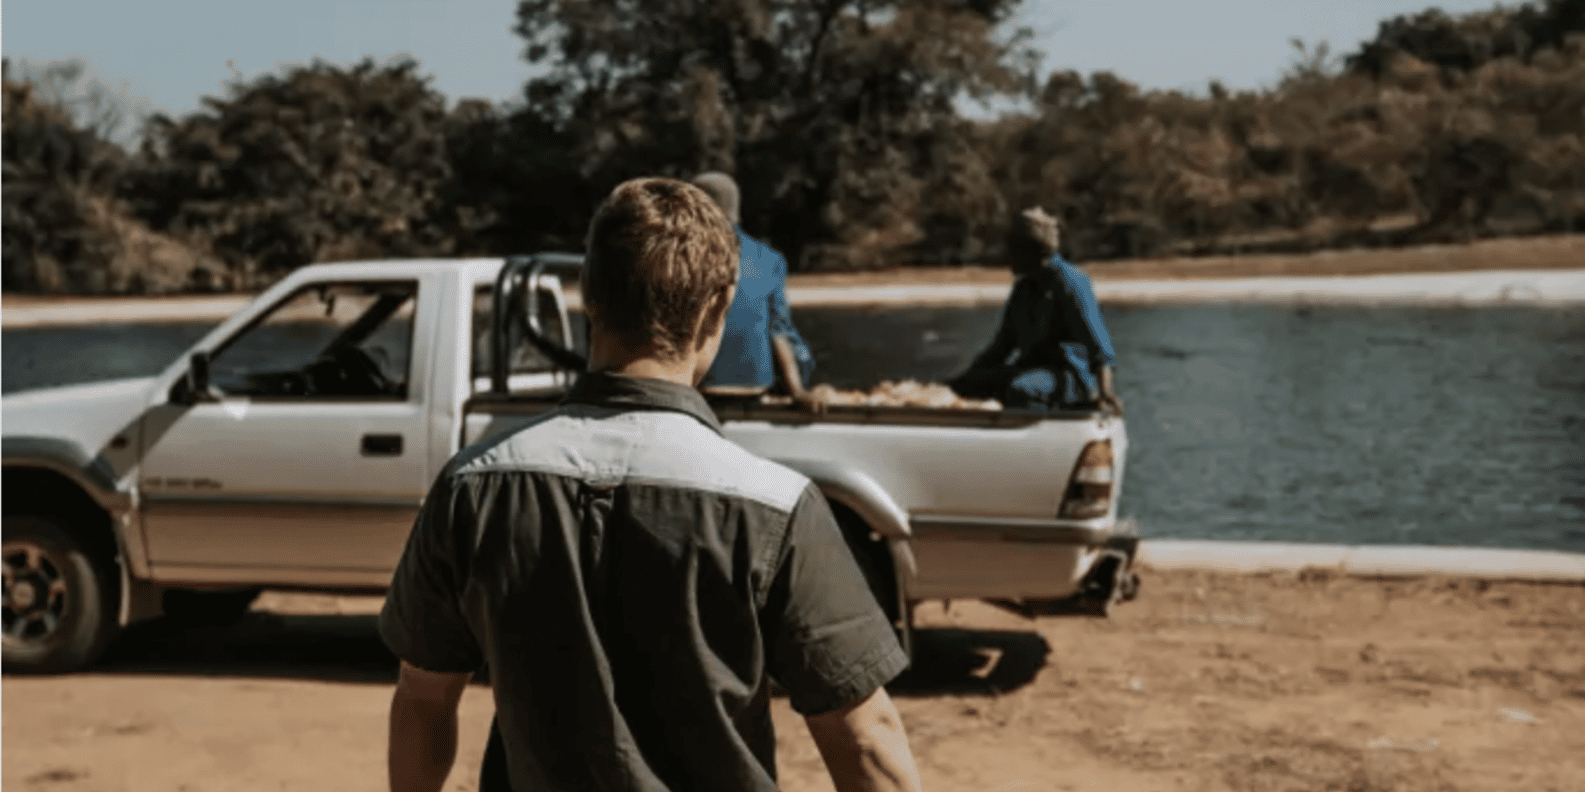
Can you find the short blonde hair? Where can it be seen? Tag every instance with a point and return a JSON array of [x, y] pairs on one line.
[[658, 250]]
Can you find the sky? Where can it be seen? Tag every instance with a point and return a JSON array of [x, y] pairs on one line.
[[173, 52]]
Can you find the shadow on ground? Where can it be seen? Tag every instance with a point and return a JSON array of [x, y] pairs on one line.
[[969, 662], [338, 648], [347, 648]]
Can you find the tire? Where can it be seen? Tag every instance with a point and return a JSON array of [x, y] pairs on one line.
[[1104, 588], [207, 608], [60, 599], [1130, 586]]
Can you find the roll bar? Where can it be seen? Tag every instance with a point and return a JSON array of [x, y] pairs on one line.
[[509, 305]]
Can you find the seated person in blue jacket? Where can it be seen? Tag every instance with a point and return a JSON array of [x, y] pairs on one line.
[[761, 351], [1052, 350]]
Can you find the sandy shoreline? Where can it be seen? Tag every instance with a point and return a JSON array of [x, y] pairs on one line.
[[1532, 271], [1500, 287], [1209, 681]]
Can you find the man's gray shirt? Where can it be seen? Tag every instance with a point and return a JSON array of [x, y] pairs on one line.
[[633, 580]]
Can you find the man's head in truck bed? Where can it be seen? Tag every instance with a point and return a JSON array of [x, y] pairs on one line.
[[659, 274], [1031, 239]]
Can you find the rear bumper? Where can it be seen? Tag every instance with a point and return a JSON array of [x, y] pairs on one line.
[[999, 557], [936, 527]]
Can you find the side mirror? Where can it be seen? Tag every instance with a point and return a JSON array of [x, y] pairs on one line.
[[194, 387]]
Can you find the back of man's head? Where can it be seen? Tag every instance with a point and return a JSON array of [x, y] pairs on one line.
[[723, 190], [658, 250]]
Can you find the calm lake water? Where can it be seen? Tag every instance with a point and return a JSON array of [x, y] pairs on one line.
[[1363, 425]]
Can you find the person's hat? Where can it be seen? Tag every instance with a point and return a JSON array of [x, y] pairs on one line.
[[1039, 227]]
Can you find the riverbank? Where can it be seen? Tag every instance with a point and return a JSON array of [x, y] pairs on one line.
[[1540, 271], [1504, 287], [1209, 681]]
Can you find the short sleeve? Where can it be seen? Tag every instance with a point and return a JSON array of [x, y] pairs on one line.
[[1091, 328], [828, 642], [422, 620]]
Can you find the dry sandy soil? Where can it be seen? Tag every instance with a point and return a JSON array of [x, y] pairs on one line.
[[1209, 681]]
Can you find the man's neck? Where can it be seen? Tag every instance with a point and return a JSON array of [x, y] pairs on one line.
[[680, 372], [610, 355]]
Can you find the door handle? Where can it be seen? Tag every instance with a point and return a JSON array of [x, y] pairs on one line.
[[382, 445]]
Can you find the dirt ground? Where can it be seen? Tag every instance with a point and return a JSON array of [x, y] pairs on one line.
[[1209, 681]]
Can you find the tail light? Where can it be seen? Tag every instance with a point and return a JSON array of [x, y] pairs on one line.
[[1089, 491]]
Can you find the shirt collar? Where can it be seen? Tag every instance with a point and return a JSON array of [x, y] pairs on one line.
[[605, 389]]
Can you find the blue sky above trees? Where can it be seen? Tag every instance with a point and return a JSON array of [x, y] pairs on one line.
[[172, 52]]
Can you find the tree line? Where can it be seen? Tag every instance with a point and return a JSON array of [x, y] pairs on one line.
[[841, 120]]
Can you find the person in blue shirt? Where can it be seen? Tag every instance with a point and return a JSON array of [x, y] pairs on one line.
[[761, 350], [1052, 350]]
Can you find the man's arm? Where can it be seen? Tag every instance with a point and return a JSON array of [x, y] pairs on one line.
[[1004, 342], [1109, 397], [423, 744], [995, 353], [1091, 330], [830, 645], [985, 377], [864, 746], [787, 368], [788, 350], [422, 623]]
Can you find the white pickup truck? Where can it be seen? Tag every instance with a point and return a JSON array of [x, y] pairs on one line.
[[292, 446]]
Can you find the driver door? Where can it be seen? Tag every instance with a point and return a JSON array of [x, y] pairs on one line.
[[309, 459]]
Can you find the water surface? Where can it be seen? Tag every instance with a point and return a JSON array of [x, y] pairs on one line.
[[1350, 424]]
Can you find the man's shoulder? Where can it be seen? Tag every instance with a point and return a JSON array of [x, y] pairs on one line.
[[651, 447], [1068, 272], [480, 455], [755, 249], [686, 454]]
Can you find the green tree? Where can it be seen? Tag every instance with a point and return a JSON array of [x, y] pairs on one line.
[[57, 179], [317, 164], [837, 116], [514, 186]]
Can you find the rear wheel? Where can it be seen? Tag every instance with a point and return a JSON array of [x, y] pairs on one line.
[[60, 597], [1109, 583]]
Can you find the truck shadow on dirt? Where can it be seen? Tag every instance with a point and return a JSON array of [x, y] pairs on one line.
[[956, 661], [347, 648], [326, 647]]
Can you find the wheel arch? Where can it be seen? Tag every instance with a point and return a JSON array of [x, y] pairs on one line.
[[44, 489], [82, 496], [873, 521]]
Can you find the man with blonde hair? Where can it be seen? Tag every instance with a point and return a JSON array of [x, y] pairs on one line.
[[1052, 350], [632, 579]]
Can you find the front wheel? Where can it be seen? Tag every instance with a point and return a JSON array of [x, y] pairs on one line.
[[60, 597]]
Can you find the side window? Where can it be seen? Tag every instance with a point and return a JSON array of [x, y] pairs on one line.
[[329, 340], [526, 358]]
